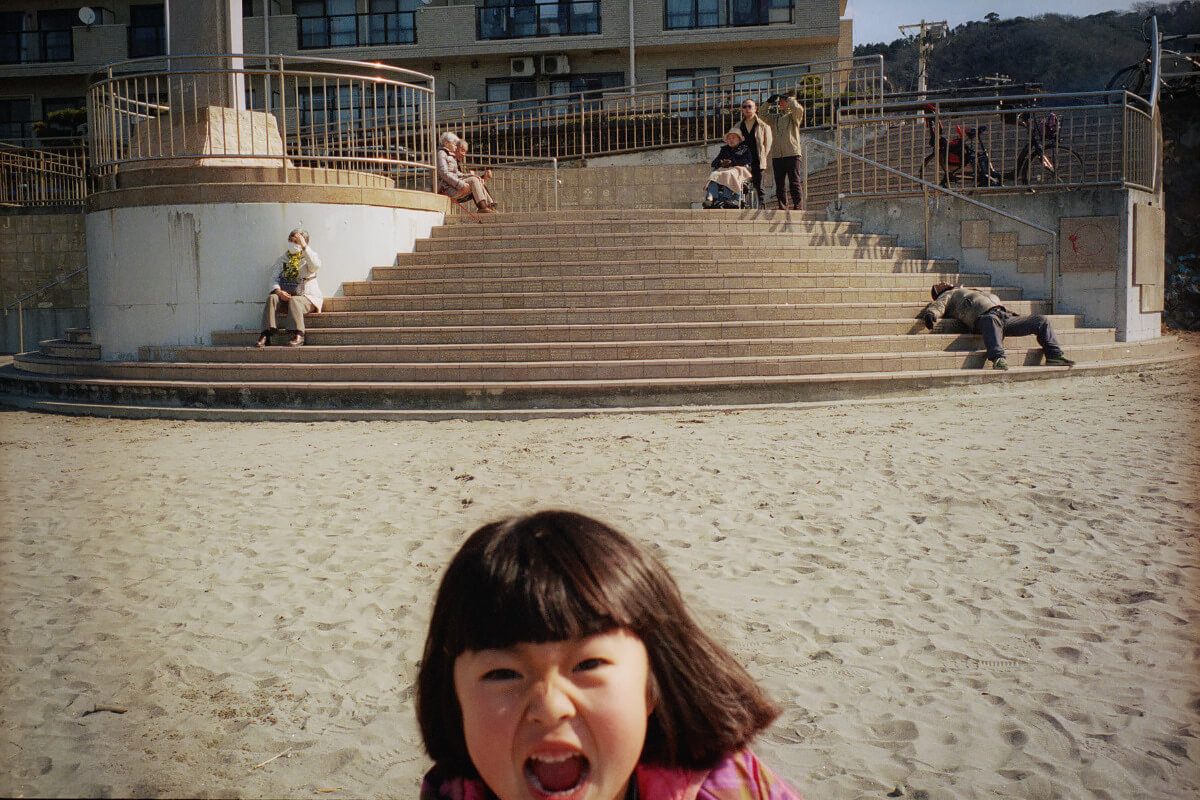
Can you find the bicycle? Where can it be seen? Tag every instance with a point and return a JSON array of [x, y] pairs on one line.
[[961, 157], [1044, 160], [1134, 77]]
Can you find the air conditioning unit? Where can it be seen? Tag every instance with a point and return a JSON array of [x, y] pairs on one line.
[[555, 65], [522, 67]]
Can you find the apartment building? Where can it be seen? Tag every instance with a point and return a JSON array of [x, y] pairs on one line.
[[478, 50]]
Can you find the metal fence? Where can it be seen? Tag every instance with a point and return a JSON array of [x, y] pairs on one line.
[[43, 172], [675, 112], [235, 109], [524, 185], [1042, 141]]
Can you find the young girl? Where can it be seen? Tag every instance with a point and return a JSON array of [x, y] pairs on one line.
[[561, 664]]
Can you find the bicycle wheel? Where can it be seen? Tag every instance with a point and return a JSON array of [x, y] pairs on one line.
[[1131, 79], [1059, 165], [932, 171]]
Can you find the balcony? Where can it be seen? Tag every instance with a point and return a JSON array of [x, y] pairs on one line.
[[521, 21], [356, 30], [699, 14], [36, 47]]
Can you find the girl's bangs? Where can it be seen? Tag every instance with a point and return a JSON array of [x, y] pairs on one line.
[[547, 607]]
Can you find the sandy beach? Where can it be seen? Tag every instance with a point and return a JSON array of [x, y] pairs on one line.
[[989, 596]]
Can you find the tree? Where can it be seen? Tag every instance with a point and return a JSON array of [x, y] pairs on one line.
[[991, 16]]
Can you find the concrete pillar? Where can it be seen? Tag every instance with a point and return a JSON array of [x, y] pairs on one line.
[[207, 26]]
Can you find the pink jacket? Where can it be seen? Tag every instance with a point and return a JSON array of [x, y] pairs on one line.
[[739, 777]]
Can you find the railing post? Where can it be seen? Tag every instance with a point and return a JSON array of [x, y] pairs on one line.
[[20, 327], [554, 163], [283, 158]]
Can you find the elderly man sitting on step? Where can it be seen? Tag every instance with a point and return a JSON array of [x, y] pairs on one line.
[[455, 183]]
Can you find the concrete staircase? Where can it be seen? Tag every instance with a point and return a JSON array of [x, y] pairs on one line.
[[590, 309]]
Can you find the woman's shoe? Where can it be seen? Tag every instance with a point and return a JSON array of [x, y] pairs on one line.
[[264, 339], [296, 340]]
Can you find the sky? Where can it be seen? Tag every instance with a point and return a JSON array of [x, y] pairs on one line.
[[877, 20]]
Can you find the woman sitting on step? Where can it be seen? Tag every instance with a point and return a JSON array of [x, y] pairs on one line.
[[455, 183], [294, 284]]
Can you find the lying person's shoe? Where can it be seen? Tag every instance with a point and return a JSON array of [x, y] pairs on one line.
[[1059, 361], [296, 340], [264, 339], [999, 363]]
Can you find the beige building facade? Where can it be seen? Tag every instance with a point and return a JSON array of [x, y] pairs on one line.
[[478, 50]]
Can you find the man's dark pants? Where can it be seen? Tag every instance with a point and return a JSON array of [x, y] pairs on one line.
[[787, 169], [756, 174], [998, 322]]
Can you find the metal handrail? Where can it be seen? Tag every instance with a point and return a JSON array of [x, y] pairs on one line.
[[806, 141], [20, 304]]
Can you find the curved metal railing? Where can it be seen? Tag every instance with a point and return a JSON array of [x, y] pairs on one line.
[[264, 110]]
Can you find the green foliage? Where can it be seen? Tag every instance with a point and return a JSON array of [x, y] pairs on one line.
[[64, 122]]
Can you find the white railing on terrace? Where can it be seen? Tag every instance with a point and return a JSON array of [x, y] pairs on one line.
[[990, 144], [670, 113], [43, 172], [311, 112]]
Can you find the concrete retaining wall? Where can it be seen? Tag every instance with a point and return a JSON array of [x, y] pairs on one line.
[[1108, 272]]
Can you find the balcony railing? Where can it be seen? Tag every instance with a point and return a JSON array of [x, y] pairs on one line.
[[356, 30], [36, 47], [321, 113], [701, 14], [669, 113], [43, 173], [513, 21]]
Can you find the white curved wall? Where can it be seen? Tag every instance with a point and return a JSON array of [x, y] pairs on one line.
[[172, 274]]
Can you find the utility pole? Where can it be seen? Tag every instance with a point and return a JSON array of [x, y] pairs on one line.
[[928, 32]]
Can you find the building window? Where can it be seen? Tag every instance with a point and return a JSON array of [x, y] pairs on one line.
[[511, 90], [336, 23], [54, 39], [15, 120], [692, 91], [147, 31], [759, 83], [519, 19], [693, 14], [50, 42], [392, 22]]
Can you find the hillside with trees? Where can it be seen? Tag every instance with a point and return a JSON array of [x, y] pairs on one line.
[[1075, 54]]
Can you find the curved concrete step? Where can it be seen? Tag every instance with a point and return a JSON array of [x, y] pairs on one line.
[[660, 282], [798, 264], [565, 298], [646, 241], [663, 314], [601, 351], [310, 401], [65, 348], [616, 332], [498, 373], [726, 254], [647, 223]]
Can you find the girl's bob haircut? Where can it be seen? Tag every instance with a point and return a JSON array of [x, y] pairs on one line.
[[557, 575]]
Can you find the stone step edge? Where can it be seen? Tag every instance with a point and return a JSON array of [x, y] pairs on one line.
[[1015, 355], [895, 387], [1067, 336], [873, 337], [637, 293], [949, 263], [640, 309], [658, 276]]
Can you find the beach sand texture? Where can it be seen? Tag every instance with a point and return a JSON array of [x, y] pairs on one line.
[[992, 596]]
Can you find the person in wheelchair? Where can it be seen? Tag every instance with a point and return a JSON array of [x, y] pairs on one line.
[[731, 173]]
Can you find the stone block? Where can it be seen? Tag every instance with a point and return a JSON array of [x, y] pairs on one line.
[[976, 233], [1002, 247], [211, 136], [1031, 258], [1149, 254], [1089, 244]]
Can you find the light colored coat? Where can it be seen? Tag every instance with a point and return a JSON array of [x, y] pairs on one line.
[[786, 129], [763, 137], [964, 305], [309, 264]]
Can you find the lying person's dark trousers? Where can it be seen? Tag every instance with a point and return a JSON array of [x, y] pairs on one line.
[[999, 322]]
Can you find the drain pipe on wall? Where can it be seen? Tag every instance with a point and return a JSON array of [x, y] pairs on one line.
[[632, 61]]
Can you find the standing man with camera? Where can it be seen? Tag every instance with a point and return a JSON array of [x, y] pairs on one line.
[[786, 129], [757, 134]]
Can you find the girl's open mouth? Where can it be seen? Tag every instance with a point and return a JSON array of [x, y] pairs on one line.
[[556, 776]]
